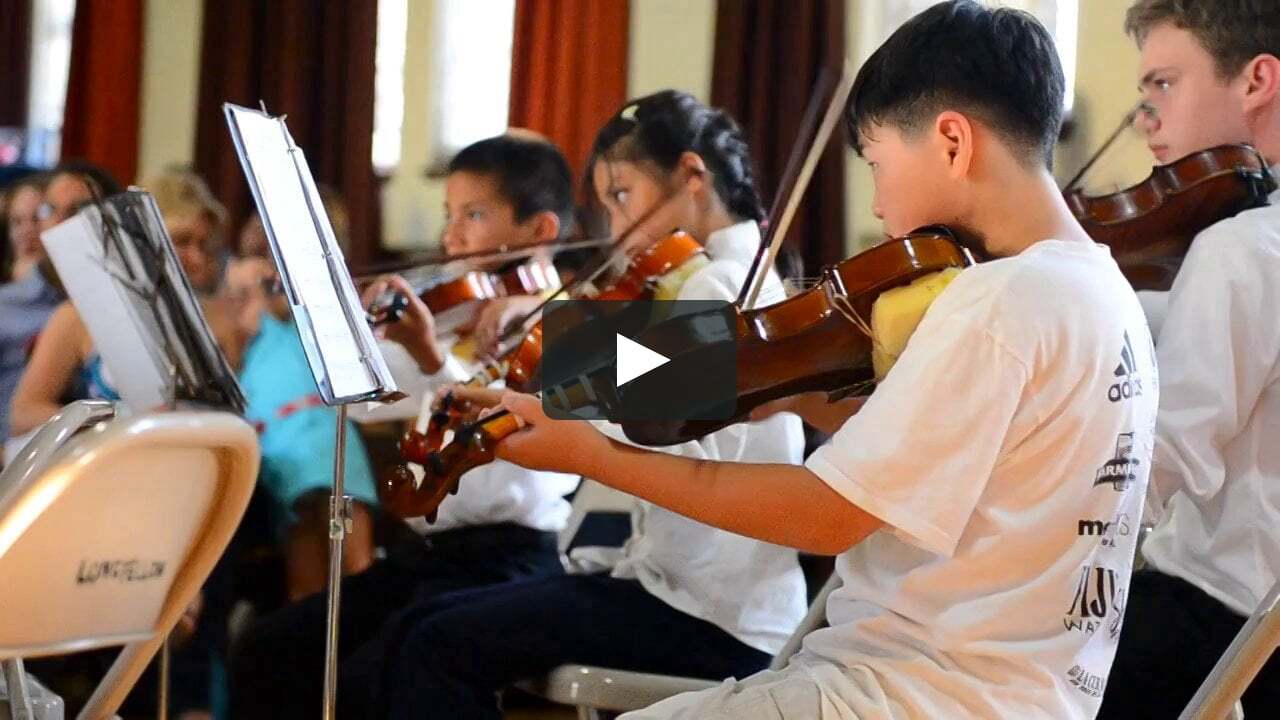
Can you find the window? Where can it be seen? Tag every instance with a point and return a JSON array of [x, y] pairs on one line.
[[472, 73], [50, 64], [388, 84]]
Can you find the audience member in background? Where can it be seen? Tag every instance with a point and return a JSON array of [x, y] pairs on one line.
[[24, 306], [28, 300], [21, 206]]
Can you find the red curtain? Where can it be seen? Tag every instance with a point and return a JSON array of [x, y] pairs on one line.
[[104, 87], [768, 56], [15, 58], [569, 69], [312, 60]]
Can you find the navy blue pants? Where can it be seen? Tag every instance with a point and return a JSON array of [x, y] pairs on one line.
[[456, 651], [277, 668], [1173, 635]]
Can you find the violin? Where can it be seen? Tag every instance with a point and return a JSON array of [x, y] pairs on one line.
[[455, 301], [646, 273], [814, 341], [817, 340], [1149, 227]]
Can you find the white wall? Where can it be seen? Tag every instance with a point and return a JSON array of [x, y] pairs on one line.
[[672, 46], [170, 84]]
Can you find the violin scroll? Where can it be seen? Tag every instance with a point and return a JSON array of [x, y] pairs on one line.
[[473, 445]]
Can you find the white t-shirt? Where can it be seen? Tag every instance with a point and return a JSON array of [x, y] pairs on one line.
[[1007, 452], [499, 492], [753, 590], [1217, 453]]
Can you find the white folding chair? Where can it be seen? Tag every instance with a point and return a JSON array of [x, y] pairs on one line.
[[106, 540], [1219, 694], [591, 497], [595, 689]]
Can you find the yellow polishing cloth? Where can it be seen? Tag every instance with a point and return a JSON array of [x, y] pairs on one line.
[[897, 312]]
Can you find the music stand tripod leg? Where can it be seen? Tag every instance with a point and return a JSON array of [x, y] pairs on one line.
[[340, 523]]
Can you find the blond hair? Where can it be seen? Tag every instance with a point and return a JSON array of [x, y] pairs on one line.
[[180, 192]]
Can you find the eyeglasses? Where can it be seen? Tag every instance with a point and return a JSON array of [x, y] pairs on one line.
[[46, 210]]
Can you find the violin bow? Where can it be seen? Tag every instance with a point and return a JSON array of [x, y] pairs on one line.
[[788, 199], [1142, 106], [517, 327], [501, 253]]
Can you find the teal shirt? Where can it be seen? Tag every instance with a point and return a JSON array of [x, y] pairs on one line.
[[296, 429]]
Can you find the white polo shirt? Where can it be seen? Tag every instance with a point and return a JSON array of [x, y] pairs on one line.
[[1217, 453], [753, 590]]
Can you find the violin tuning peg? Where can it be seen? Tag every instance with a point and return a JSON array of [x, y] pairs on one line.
[[453, 489], [435, 463], [431, 519]]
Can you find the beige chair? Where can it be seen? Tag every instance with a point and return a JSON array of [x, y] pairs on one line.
[[1219, 694], [108, 532]]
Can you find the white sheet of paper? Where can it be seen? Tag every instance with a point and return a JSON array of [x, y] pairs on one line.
[[342, 353], [124, 335]]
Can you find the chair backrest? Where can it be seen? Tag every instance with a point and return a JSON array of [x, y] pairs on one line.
[[812, 621], [112, 539], [590, 497], [1238, 666]]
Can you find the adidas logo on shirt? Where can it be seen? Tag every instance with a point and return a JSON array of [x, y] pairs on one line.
[[1130, 384]]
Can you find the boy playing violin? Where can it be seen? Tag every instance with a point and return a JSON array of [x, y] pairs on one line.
[[971, 499], [1210, 75], [505, 191]]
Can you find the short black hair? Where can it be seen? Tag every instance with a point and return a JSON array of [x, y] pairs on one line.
[[101, 182], [532, 175], [998, 65], [662, 126]]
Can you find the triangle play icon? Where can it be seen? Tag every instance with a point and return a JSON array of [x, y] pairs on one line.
[[634, 360]]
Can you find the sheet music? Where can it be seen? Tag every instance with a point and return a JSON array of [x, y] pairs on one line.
[[122, 273], [128, 341], [339, 344]]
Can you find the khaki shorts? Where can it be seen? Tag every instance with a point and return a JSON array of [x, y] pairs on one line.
[[795, 693]]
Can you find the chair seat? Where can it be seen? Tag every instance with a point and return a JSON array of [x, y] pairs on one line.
[[608, 689]]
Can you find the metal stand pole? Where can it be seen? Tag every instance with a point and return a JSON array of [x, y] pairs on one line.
[[15, 678], [162, 711], [340, 523]]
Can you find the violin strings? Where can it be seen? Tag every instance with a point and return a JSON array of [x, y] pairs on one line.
[[846, 309]]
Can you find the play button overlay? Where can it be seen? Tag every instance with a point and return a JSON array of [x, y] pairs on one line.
[[642, 360], [634, 360]]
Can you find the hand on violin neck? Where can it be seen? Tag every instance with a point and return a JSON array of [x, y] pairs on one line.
[[469, 398], [567, 446], [414, 329], [497, 315]]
